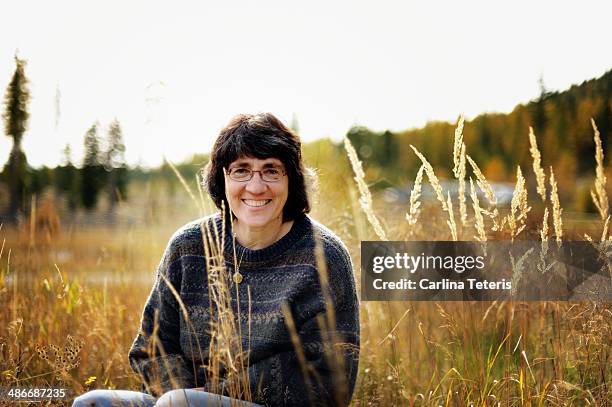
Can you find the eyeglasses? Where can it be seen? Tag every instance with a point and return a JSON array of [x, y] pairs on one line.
[[242, 174]]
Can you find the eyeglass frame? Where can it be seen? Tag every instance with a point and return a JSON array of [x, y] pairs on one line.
[[229, 171]]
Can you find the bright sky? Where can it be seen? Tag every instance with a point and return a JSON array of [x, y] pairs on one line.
[[175, 73]]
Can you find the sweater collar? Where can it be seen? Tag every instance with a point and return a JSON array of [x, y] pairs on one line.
[[301, 226]]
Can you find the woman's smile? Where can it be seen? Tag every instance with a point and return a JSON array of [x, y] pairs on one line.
[[256, 203]]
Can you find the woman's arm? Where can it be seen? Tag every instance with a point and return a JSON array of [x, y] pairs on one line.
[[156, 353]]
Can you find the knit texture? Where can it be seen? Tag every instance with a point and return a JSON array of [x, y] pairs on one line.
[[285, 272]]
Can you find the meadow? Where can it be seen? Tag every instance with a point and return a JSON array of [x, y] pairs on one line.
[[72, 295]]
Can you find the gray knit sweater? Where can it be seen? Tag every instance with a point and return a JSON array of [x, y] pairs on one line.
[[285, 272]]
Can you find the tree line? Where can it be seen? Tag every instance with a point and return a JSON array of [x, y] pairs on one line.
[[103, 169], [498, 142]]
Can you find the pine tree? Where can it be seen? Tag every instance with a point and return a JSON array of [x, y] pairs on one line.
[[92, 173], [538, 108], [66, 179], [16, 118], [67, 155], [115, 165]]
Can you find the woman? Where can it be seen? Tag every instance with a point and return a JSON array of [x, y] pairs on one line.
[[256, 178]]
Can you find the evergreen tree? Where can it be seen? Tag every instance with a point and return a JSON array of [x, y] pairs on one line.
[[92, 173], [67, 155], [538, 110], [115, 165], [66, 179], [40, 179], [15, 118]]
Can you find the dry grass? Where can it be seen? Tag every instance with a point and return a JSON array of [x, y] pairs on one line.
[[366, 198], [557, 210], [459, 168], [225, 352], [537, 165], [599, 195], [518, 207], [72, 325], [433, 179], [485, 187], [478, 218], [412, 216]]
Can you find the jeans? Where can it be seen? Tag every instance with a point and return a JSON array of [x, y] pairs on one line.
[[174, 398]]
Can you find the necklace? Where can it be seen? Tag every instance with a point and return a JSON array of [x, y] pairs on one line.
[[237, 277]]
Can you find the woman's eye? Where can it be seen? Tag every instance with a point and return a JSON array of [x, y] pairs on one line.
[[241, 171], [272, 171]]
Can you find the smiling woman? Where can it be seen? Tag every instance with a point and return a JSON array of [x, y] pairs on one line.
[[257, 201], [292, 274]]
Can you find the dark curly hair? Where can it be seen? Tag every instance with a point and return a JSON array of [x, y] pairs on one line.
[[260, 136]]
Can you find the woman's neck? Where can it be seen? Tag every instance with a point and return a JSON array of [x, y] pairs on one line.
[[255, 238]]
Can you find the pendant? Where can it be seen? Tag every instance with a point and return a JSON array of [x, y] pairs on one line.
[[237, 277]]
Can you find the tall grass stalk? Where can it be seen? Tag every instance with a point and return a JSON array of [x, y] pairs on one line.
[[543, 266], [599, 195], [366, 198], [225, 352], [537, 165], [413, 214], [459, 168], [518, 206], [457, 147], [433, 179], [557, 210], [461, 190], [485, 187], [478, 219], [226, 355], [186, 186]]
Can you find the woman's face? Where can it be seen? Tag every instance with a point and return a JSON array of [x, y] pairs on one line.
[[257, 203]]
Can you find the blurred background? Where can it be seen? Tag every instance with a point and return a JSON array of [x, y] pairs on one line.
[[98, 98]]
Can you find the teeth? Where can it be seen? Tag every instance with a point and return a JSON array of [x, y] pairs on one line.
[[256, 203]]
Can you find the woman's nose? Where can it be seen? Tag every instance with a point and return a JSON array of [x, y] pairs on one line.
[[256, 185]]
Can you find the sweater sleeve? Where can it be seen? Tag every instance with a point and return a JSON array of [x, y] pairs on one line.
[[156, 353], [327, 378]]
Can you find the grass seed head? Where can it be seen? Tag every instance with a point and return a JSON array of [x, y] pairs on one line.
[[366, 197], [461, 190], [599, 195], [413, 214], [537, 165], [557, 210], [433, 179], [458, 146], [485, 187], [478, 219]]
